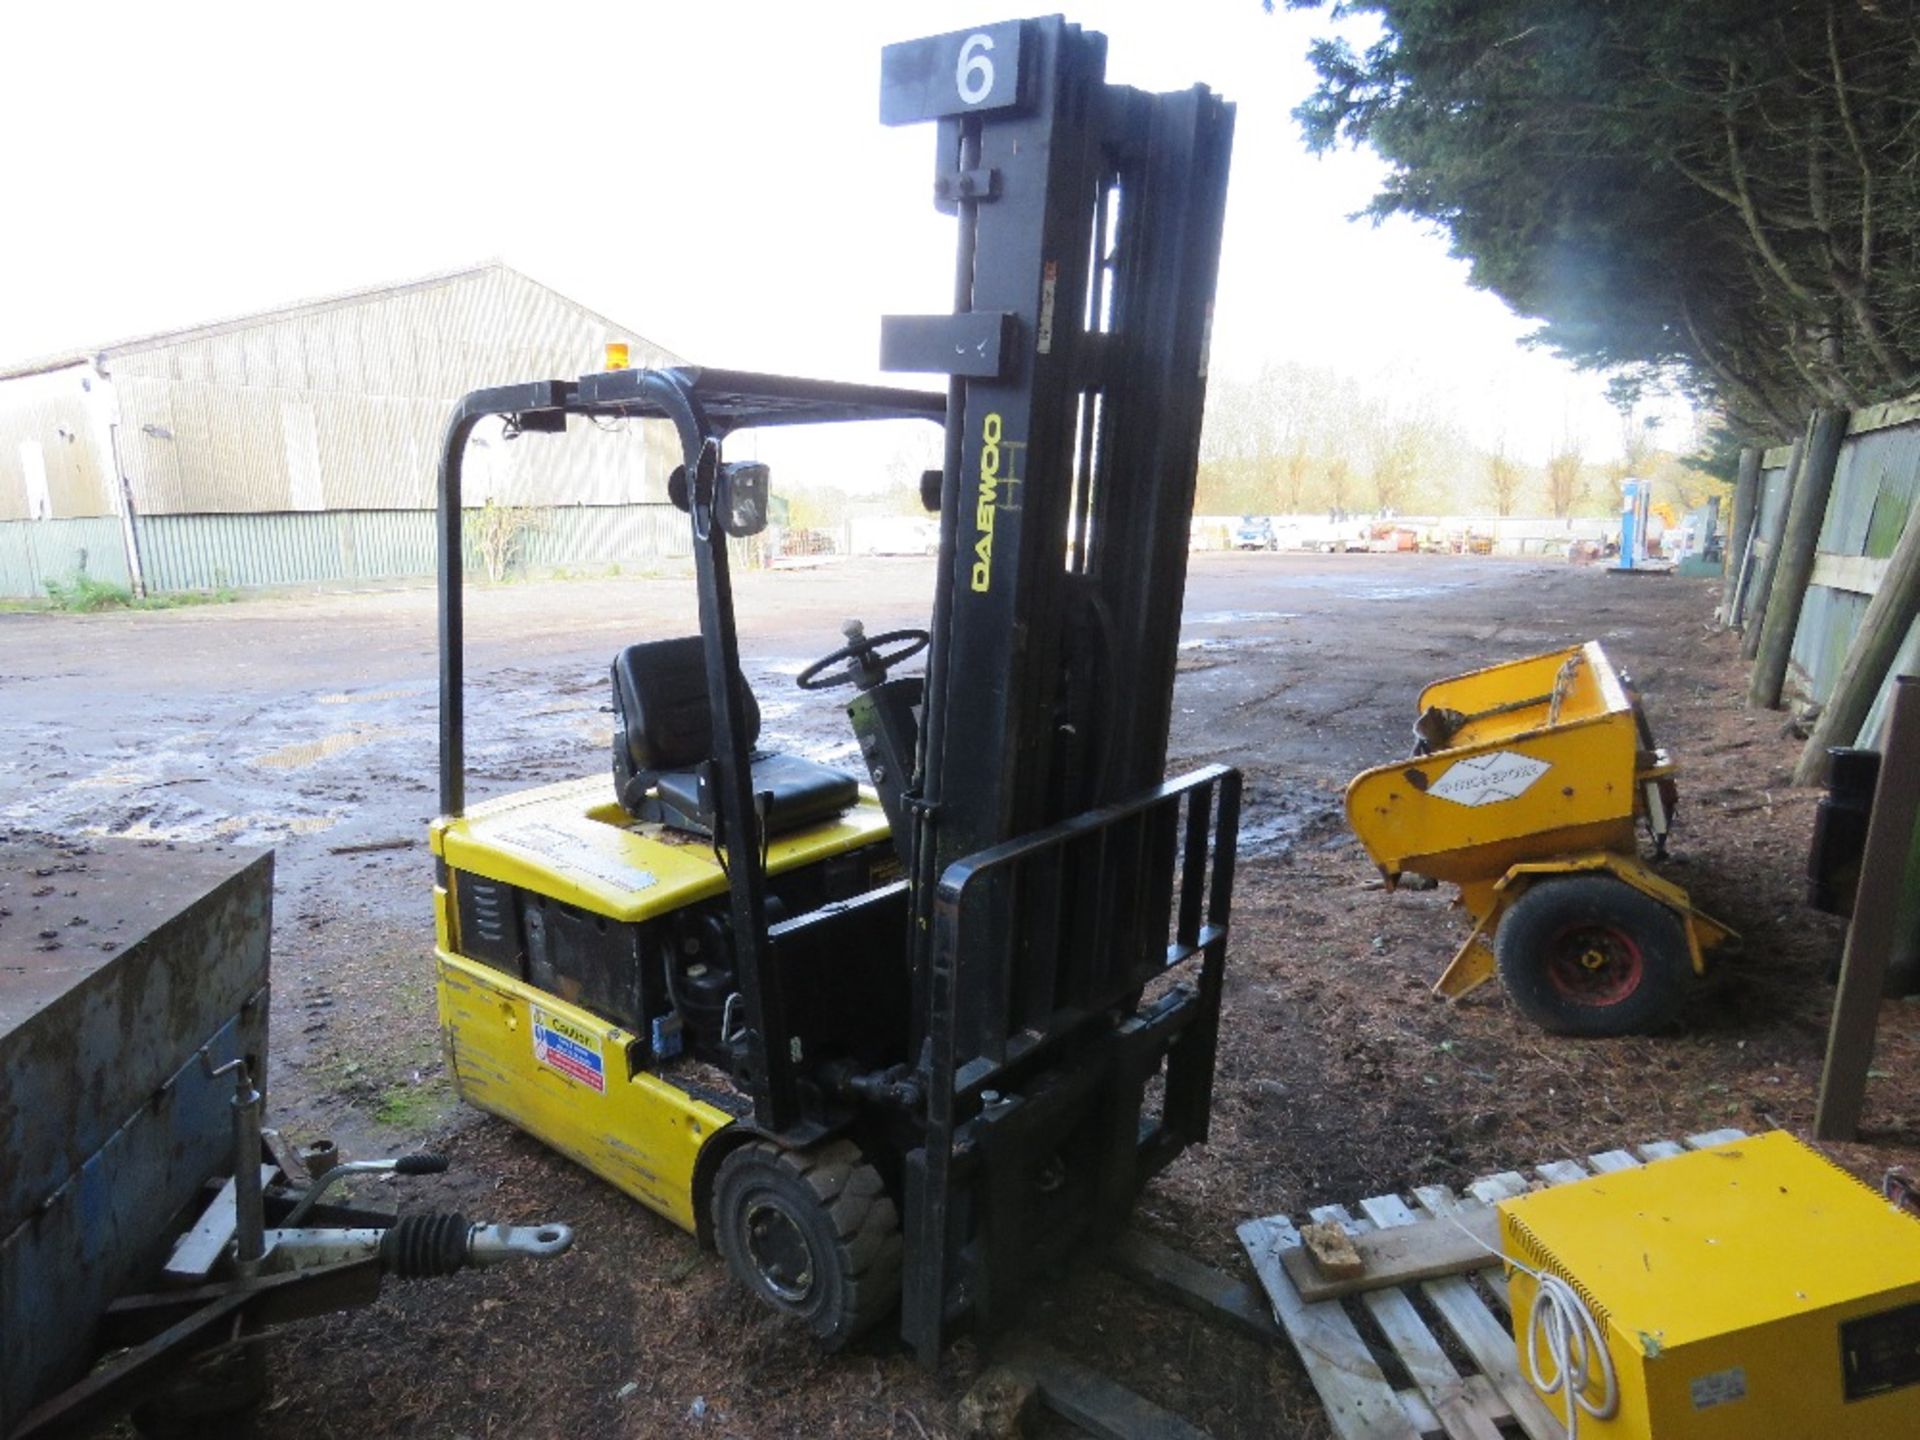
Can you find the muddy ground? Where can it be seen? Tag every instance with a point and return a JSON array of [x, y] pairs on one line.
[[307, 723]]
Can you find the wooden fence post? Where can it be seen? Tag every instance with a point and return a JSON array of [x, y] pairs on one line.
[[1876, 910], [1753, 597], [1805, 515], [1876, 645], [1733, 554]]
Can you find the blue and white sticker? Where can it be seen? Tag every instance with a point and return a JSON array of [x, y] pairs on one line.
[[571, 1049]]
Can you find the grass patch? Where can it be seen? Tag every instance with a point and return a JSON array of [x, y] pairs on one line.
[[84, 595], [413, 1107]]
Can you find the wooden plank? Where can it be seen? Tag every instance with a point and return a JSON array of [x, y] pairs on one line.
[[1429, 1366], [1767, 553], [1562, 1172], [1715, 1137], [1885, 415], [1871, 656], [1661, 1150], [1786, 595], [1360, 1404], [1856, 574], [1420, 1415], [1209, 1292], [1400, 1255], [1873, 934], [1482, 1334], [1503, 1186], [1096, 1404], [1611, 1162]]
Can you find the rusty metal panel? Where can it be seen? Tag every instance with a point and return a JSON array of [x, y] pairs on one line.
[[111, 1124]]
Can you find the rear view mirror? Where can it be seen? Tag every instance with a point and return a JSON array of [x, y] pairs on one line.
[[741, 505]]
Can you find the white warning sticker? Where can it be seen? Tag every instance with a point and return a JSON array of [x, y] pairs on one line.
[[1722, 1387], [1488, 779], [568, 850]]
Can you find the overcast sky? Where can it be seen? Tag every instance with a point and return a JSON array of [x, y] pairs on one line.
[[711, 174]]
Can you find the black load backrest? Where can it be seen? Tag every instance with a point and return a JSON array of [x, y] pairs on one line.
[[662, 717]]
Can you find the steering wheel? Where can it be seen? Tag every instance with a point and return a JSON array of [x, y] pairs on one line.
[[862, 654]]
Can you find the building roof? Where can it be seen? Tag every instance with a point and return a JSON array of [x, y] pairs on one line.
[[60, 360]]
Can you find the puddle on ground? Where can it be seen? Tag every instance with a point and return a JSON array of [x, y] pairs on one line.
[[370, 696], [1239, 617], [1210, 642], [1263, 835], [1403, 592], [112, 780], [309, 752]]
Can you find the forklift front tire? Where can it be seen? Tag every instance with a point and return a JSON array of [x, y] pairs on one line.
[[1592, 956], [812, 1233]]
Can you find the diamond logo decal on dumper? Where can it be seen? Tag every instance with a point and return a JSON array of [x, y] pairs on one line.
[[1489, 779]]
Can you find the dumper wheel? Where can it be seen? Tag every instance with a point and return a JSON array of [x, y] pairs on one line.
[[1590, 955], [812, 1233]]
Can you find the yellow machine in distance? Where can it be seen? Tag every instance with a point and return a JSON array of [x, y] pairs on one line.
[[1525, 790], [1748, 1291]]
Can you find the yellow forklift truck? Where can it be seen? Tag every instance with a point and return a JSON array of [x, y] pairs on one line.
[[900, 1041]]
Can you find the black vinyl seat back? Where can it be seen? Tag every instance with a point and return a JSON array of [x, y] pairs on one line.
[[663, 734], [662, 717]]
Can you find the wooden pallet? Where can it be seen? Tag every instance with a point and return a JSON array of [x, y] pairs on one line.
[[1412, 1389]]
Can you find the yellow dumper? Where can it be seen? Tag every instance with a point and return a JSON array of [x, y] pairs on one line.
[[1525, 789]]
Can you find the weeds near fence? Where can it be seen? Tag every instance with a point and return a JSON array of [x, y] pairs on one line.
[[84, 595]]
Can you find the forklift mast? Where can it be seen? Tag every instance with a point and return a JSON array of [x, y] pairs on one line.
[[1089, 239]]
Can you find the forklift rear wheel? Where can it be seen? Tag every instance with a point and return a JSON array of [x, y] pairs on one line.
[[1590, 955], [812, 1233]]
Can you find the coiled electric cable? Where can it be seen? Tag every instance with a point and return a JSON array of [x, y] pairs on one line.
[[1575, 1346]]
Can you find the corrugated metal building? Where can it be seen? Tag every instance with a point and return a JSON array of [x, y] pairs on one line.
[[301, 444]]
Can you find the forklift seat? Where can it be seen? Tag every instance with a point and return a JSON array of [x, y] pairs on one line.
[[663, 731]]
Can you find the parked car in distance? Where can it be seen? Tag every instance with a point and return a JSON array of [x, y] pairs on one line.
[[1255, 532]]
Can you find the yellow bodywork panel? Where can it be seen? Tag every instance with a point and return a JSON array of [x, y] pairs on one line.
[[573, 843], [1524, 777], [1748, 1291], [559, 1072], [565, 1075]]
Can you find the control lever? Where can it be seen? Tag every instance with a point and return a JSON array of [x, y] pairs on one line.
[[399, 1165]]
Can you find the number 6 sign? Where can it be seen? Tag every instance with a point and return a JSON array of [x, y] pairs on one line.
[[958, 74]]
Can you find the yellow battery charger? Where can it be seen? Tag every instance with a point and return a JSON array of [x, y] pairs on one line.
[[1748, 1291]]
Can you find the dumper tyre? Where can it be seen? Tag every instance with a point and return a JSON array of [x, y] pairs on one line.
[[812, 1233], [1590, 955]]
